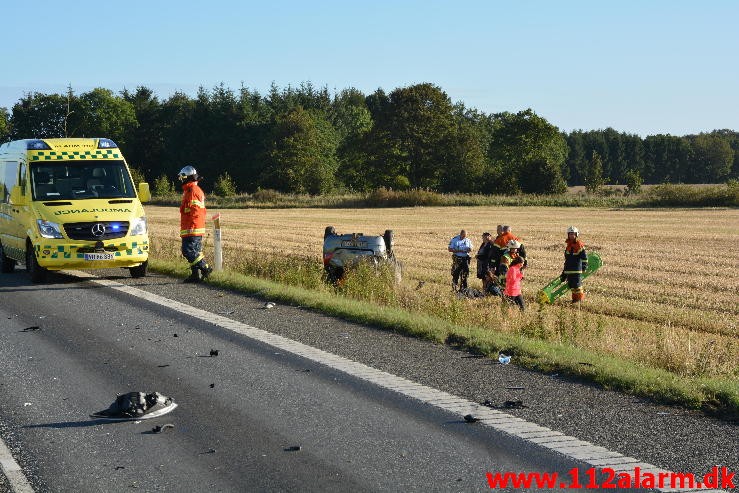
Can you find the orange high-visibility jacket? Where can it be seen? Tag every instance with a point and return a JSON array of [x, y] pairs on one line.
[[192, 210], [502, 240], [576, 259]]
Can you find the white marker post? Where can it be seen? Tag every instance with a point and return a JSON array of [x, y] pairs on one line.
[[218, 251]]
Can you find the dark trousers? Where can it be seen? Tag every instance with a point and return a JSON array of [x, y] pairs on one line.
[[516, 300], [574, 282], [191, 250], [460, 271]]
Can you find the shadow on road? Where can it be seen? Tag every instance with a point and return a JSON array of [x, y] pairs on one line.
[[75, 424]]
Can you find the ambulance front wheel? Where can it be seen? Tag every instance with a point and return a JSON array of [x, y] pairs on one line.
[[139, 271], [37, 273]]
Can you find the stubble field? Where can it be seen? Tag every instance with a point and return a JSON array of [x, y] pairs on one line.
[[667, 295]]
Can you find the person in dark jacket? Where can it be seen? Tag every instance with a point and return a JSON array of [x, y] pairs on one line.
[[484, 255], [576, 263]]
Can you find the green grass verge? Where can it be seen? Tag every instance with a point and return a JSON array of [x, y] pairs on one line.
[[718, 397]]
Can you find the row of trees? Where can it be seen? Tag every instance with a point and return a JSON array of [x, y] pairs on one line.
[[306, 140]]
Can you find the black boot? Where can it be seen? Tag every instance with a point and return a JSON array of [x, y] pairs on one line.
[[205, 269], [194, 276]]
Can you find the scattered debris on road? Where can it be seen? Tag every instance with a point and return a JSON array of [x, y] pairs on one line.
[[294, 448], [269, 305], [471, 419], [32, 328], [214, 352], [514, 405], [504, 359], [162, 428], [137, 405]]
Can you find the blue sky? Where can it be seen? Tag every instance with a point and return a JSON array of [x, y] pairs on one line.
[[643, 67]]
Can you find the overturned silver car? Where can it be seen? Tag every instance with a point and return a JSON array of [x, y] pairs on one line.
[[343, 251]]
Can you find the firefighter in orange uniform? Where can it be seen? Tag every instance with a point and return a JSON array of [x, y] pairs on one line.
[[576, 263], [501, 242], [192, 224]]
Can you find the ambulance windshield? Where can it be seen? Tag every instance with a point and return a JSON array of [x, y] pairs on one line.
[[74, 180]]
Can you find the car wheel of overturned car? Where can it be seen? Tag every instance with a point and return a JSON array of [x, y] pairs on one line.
[[330, 231], [7, 265], [37, 273], [139, 270], [389, 238]]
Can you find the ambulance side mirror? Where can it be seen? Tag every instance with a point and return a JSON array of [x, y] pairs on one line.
[[17, 197], [144, 193]]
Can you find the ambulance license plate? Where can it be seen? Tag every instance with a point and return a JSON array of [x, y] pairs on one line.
[[98, 256]]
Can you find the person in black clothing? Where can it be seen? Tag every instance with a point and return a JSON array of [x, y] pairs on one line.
[[483, 257]]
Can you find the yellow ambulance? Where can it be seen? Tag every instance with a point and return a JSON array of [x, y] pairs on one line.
[[70, 204]]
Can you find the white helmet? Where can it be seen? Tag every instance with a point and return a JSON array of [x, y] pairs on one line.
[[513, 244], [572, 229], [188, 172]]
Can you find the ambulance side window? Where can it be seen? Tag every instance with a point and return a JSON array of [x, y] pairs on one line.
[[3, 191], [24, 171], [10, 179]]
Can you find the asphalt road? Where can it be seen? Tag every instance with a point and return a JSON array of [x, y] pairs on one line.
[[239, 411]]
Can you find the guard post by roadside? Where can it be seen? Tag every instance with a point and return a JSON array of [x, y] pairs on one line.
[[217, 249]]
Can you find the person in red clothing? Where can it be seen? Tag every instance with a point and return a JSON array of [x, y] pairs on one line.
[[192, 224], [513, 281]]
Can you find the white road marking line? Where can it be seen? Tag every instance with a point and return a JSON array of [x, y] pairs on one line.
[[564, 445], [12, 471]]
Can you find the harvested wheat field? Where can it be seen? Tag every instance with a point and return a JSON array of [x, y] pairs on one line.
[[667, 295]]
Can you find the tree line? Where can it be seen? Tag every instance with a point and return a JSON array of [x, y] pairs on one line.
[[306, 140]]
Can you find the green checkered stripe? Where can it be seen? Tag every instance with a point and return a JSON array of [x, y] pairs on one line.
[[68, 155], [66, 251]]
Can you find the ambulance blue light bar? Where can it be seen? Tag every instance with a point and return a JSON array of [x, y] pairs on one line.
[[107, 144]]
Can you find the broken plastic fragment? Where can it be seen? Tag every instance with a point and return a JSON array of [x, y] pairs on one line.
[[160, 429], [504, 360]]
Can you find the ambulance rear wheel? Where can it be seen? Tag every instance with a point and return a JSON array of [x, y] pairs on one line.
[[7, 265], [37, 273], [139, 270]]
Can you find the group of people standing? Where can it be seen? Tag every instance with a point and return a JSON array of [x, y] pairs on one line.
[[501, 261]]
